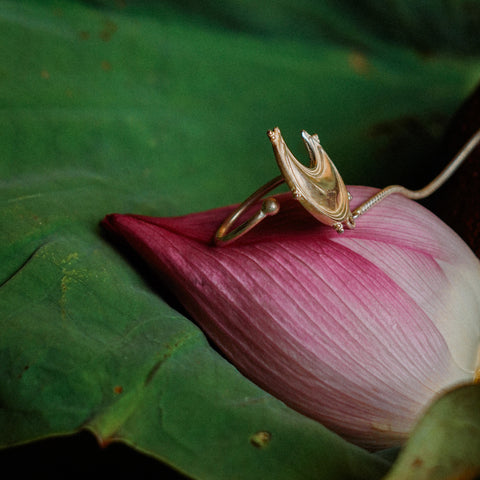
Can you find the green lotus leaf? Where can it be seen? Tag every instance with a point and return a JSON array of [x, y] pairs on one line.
[[446, 442], [160, 109]]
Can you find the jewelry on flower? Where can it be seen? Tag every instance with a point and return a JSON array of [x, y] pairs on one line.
[[320, 188]]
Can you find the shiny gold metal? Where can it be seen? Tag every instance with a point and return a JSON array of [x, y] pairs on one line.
[[320, 188], [269, 207]]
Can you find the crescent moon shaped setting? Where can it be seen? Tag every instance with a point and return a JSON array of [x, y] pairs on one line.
[[319, 187]]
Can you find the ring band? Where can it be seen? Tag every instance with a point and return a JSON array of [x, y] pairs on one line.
[[270, 206]]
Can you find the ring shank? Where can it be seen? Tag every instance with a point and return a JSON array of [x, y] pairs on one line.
[[225, 234]]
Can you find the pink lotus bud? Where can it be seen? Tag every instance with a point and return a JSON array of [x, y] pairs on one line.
[[359, 331]]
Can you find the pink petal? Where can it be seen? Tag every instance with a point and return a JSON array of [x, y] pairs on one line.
[[359, 331]]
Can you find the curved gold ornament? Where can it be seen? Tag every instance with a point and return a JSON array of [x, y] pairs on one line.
[[319, 187]]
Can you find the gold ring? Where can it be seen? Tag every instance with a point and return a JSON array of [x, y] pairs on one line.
[[321, 190]]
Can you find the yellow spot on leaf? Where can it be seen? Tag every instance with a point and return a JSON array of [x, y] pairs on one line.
[[70, 257], [108, 30], [260, 439], [106, 65], [359, 62], [69, 276], [84, 35]]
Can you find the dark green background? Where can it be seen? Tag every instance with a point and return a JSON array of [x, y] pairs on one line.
[[161, 108]]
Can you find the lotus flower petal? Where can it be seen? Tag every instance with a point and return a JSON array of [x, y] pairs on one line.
[[359, 331]]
